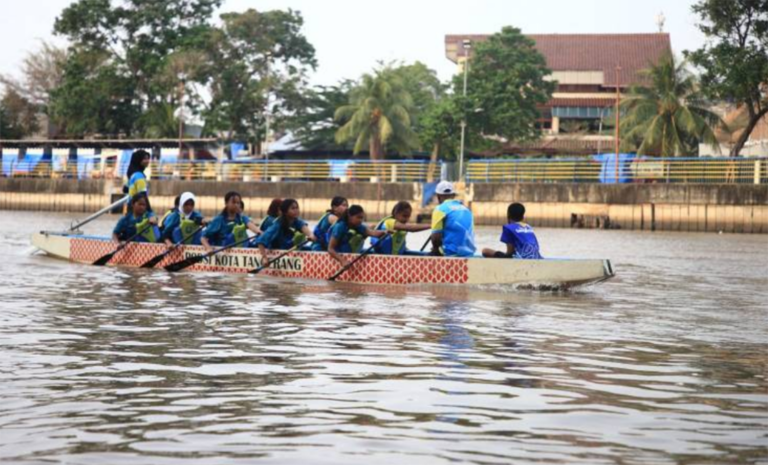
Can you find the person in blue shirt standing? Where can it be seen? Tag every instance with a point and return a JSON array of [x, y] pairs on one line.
[[453, 228], [138, 220], [183, 223], [349, 233], [137, 180], [287, 232], [230, 226], [518, 236]]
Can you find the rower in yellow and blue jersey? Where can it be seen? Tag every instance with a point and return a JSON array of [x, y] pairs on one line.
[[139, 219], [137, 180], [230, 226], [184, 223], [349, 233], [518, 236], [288, 231], [398, 226], [170, 212], [453, 228], [339, 206]]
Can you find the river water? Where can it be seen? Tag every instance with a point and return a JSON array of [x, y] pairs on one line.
[[666, 363]]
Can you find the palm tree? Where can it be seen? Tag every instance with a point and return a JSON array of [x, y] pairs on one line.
[[667, 118], [378, 115]]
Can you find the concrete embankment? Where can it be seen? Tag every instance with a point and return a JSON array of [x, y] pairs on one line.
[[741, 208]]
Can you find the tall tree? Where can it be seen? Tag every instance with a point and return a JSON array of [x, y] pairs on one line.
[[259, 62], [667, 118], [134, 40], [315, 128], [42, 72], [506, 85], [735, 59], [439, 130], [18, 116], [378, 116]]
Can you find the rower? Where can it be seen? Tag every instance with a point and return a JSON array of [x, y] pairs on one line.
[[339, 206], [230, 226], [398, 226], [139, 218], [349, 233], [184, 223], [170, 212], [452, 225], [518, 236], [287, 232], [272, 213]]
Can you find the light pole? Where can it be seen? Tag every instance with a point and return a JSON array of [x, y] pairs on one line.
[[467, 44], [618, 104]]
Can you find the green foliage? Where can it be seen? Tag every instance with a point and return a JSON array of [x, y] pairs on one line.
[[18, 116], [506, 85], [378, 115], [258, 64], [315, 128], [667, 118], [439, 128], [735, 58]]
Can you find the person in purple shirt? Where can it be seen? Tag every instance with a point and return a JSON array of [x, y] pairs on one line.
[[518, 236]]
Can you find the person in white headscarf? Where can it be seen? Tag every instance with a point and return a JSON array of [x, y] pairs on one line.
[[184, 224]]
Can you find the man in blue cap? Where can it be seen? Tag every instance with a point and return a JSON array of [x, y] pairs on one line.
[[453, 229]]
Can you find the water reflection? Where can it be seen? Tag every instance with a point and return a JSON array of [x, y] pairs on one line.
[[113, 366]]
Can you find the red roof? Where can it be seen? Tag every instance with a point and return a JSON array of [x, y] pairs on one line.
[[591, 52], [581, 102]]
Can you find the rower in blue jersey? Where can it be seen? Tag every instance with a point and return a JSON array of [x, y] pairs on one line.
[[518, 236], [339, 206], [184, 223], [272, 213], [398, 226], [170, 212], [287, 232], [230, 226], [453, 227], [349, 233], [139, 219]]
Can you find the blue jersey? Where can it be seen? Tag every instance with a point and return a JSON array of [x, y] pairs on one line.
[[138, 183], [522, 237], [279, 239], [454, 221], [223, 231], [321, 232], [350, 239], [173, 221], [128, 226], [393, 244], [267, 222]]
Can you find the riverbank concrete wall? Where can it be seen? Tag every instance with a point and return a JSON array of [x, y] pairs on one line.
[[740, 208]]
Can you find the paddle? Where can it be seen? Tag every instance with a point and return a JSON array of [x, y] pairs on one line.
[[349, 265], [292, 249], [159, 258], [186, 263], [106, 258], [429, 238]]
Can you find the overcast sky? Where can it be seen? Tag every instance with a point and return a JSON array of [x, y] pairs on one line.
[[350, 36]]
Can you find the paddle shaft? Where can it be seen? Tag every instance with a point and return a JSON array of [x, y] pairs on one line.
[[186, 263], [349, 265], [104, 210], [154, 261], [269, 262], [103, 260]]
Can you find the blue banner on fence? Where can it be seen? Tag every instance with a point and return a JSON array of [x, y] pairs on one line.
[[84, 166], [608, 170]]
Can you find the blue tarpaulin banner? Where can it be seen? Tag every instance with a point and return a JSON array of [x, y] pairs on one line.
[[339, 168], [30, 161], [608, 170], [10, 160], [84, 165], [235, 148], [429, 191], [125, 160]]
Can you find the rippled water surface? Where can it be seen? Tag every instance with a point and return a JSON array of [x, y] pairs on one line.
[[667, 363]]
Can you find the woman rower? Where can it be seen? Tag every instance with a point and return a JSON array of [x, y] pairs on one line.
[[139, 219], [349, 233], [287, 232], [137, 180], [170, 212], [272, 213], [339, 206], [183, 223], [398, 226], [230, 226]]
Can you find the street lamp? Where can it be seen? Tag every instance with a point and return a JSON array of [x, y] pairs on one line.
[[467, 44]]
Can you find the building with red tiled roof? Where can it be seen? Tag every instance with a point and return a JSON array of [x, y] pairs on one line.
[[584, 66]]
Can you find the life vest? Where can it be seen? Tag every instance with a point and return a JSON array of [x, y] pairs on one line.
[[240, 233], [397, 238], [189, 231], [150, 234], [165, 217], [321, 232]]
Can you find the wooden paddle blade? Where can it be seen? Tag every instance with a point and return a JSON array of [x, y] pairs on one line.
[[153, 262], [186, 263], [105, 259]]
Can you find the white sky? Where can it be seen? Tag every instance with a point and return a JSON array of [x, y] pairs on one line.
[[350, 36]]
